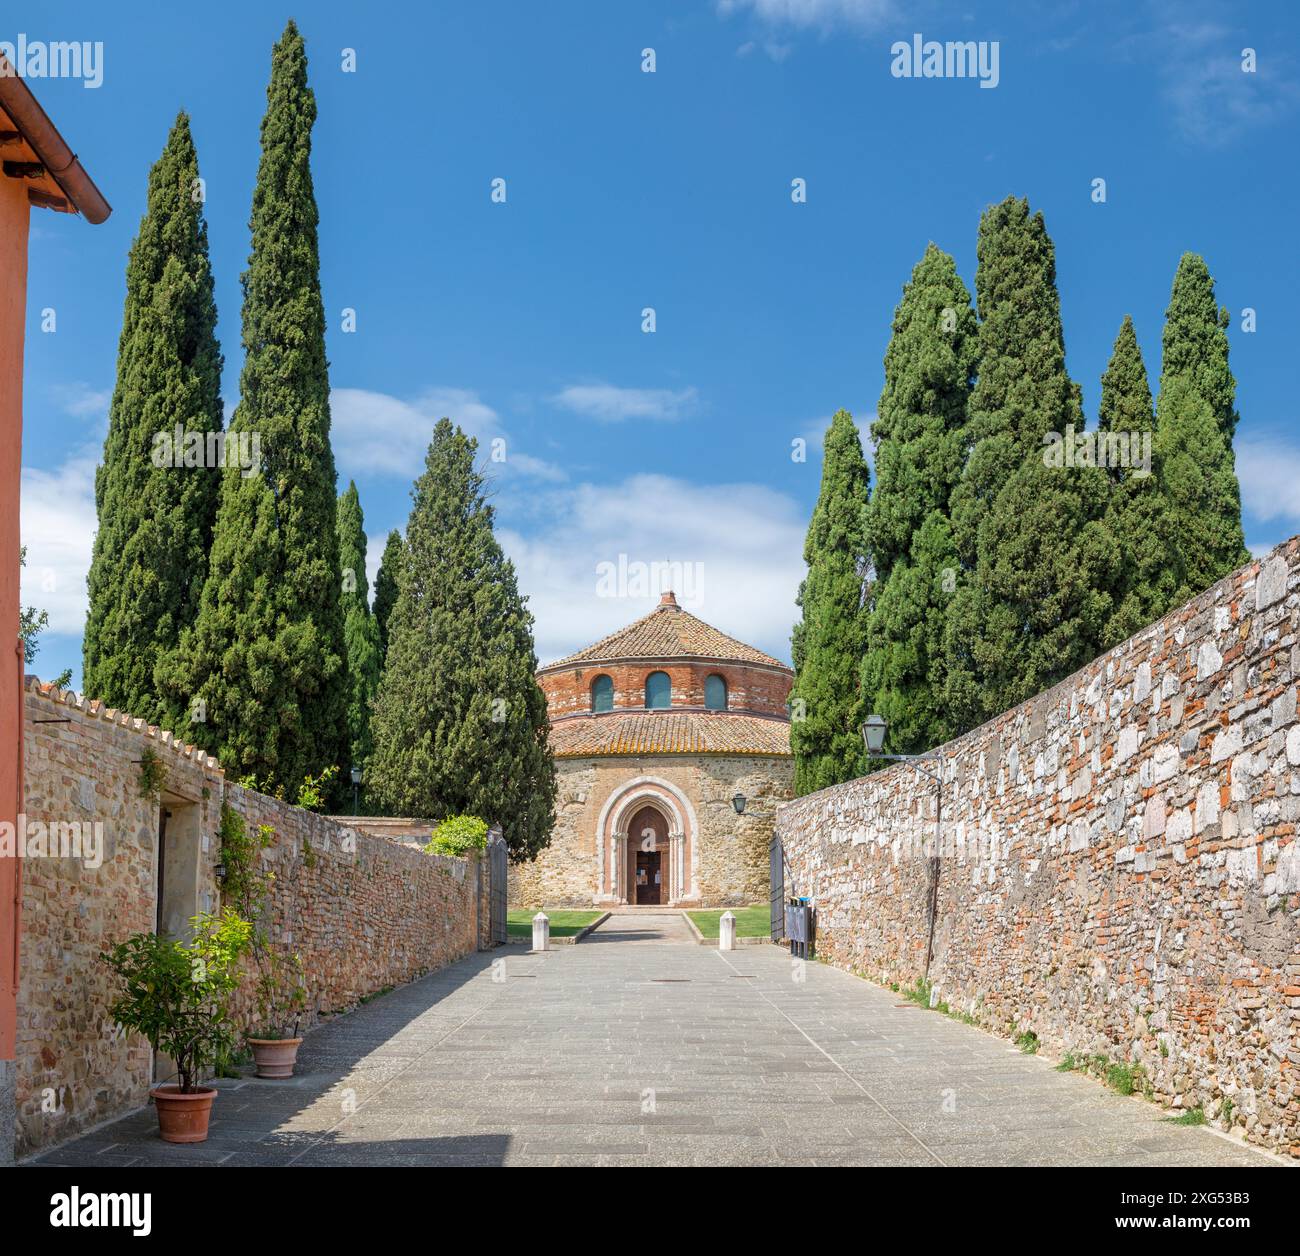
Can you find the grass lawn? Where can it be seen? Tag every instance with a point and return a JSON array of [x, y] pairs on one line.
[[564, 924], [751, 922]]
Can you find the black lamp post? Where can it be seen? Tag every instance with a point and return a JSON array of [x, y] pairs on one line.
[[356, 784], [873, 736]]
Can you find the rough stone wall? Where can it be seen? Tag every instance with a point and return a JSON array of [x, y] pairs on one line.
[[750, 687], [733, 850], [364, 911], [1119, 870]]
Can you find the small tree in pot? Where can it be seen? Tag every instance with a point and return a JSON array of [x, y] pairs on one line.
[[281, 998], [178, 996], [280, 990]]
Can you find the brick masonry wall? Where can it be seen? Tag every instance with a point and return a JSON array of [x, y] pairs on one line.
[[1119, 871], [763, 690], [733, 850], [365, 911]]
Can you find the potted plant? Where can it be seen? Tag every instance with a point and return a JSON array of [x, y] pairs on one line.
[[177, 995], [281, 997]]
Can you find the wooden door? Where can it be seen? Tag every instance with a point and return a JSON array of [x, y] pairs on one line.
[[649, 878]]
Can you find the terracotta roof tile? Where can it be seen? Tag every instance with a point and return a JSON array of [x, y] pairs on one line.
[[668, 732], [668, 632]]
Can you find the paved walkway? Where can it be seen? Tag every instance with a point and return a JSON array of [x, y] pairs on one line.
[[615, 1053]]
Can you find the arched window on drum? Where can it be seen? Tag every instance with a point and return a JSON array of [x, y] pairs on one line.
[[602, 694], [658, 691]]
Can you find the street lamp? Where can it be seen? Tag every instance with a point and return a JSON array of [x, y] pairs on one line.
[[873, 737], [738, 801], [873, 733], [356, 784]]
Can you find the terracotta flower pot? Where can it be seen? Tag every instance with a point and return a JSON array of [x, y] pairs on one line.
[[183, 1118], [274, 1057]]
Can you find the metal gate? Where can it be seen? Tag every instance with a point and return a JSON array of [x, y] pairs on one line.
[[776, 886], [496, 851]]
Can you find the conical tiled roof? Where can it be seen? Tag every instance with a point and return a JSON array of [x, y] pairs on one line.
[[669, 732], [668, 632]]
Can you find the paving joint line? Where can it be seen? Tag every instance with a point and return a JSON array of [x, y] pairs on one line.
[[780, 1012]]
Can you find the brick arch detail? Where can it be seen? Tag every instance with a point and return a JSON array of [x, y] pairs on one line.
[[612, 834]]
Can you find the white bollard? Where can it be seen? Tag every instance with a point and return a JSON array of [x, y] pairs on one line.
[[727, 932], [541, 932]]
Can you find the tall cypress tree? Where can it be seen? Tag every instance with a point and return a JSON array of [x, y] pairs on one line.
[[155, 521], [1147, 578], [1195, 421], [830, 637], [360, 632], [459, 722], [919, 435], [386, 588], [264, 666], [1034, 596], [1196, 341]]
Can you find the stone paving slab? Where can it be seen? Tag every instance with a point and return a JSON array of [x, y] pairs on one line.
[[640, 1047]]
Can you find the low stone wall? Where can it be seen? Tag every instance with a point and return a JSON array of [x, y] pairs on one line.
[[1119, 871], [365, 911]]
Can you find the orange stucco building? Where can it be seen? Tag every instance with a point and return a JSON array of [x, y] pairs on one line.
[[38, 169]]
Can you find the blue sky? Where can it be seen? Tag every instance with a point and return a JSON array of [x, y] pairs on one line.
[[669, 190]]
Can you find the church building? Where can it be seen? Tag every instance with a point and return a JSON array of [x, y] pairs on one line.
[[672, 748]]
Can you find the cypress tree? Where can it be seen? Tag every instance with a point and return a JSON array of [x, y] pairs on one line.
[[1195, 341], [264, 667], [459, 723], [155, 521], [1147, 578], [829, 639], [386, 589], [360, 632], [1195, 421], [1199, 479], [919, 434], [1033, 598]]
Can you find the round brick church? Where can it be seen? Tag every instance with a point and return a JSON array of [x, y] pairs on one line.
[[659, 731]]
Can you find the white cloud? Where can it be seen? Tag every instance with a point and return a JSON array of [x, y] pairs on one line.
[[745, 543], [58, 521], [820, 14], [1211, 99], [58, 527], [373, 431], [1269, 474], [81, 400], [612, 404]]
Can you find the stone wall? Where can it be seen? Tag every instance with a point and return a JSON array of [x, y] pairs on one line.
[[732, 861], [364, 910], [1119, 871]]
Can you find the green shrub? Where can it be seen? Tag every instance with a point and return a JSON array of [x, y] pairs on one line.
[[458, 835], [312, 791]]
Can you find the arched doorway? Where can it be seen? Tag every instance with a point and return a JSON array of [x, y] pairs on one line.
[[619, 830], [647, 839]]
